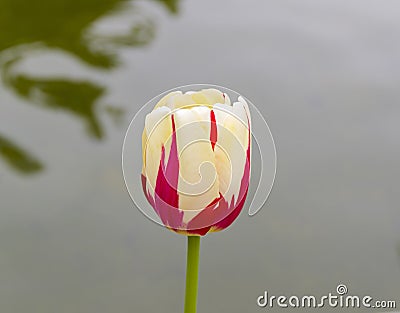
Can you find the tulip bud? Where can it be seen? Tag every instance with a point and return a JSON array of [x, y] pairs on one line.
[[196, 160]]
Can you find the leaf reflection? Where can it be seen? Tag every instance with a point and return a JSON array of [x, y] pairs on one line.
[[65, 25], [17, 158]]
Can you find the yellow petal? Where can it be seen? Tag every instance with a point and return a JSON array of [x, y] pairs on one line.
[[165, 100], [198, 183], [231, 147], [158, 127], [208, 96]]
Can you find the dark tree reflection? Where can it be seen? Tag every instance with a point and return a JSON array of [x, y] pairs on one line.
[[17, 158], [76, 97], [64, 25]]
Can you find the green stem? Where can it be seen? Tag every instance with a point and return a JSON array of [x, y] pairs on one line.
[[192, 273]]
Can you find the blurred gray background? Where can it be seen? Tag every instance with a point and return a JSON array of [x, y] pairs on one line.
[[325, 75]]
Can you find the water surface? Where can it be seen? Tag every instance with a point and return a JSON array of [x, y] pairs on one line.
[[73, 74]]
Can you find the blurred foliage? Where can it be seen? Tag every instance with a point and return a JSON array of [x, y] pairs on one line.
[[76, 97], [65, 25], [172, 5], [115, 113], [18, 158]]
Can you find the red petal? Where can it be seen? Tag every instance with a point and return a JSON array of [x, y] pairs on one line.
[[213, 130]]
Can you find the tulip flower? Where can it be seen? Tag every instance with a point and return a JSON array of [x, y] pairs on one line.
[[196, 166], [183, 132]]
